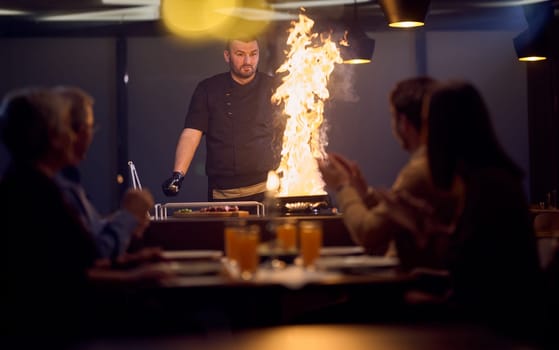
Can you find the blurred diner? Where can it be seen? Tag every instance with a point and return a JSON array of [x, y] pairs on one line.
[[366, 214], [50, 260], [492, 256], [47, 250], [113, 233]]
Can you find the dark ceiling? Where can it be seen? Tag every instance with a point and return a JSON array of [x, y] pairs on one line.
[[442, 15]]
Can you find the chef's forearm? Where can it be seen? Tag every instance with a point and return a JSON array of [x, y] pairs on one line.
[[186, 148]]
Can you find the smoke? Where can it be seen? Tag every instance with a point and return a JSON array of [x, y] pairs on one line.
[[342, 84]]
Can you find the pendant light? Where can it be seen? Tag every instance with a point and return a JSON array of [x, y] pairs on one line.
[[533, 43], [357, 48], [405, 13]]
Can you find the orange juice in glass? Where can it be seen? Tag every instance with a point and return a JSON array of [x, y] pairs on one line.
[[310, 242], [231, 230], [247, 241], [286, 234]]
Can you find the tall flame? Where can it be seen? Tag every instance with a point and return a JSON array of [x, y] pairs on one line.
[[309, 63]]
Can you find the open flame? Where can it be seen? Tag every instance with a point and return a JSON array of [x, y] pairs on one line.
[[309, 63]]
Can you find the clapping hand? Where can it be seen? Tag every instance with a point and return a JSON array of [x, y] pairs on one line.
[[356, 177], [338, 171], [334, 173]]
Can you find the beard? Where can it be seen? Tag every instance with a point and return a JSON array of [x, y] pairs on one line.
[[245, 71]]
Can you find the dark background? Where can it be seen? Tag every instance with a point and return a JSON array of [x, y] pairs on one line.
[[141, 120]]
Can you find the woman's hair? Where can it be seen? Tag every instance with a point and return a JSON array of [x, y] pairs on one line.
[[460, 133]]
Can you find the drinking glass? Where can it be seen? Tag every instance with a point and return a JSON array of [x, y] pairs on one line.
[[247, 241], [310, 242], [286, 235], [231, 230]]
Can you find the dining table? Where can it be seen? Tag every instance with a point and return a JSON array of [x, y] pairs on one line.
[[196, 299], [325, 337], [200, 291]]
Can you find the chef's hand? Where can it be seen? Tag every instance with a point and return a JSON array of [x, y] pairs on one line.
[[172, 185]]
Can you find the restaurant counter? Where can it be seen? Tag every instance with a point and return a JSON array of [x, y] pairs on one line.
[[207, 233]]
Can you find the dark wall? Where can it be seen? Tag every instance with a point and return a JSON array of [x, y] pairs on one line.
[[85, 62], [488, 59], [163, 74], [164, 71], [543, 109]]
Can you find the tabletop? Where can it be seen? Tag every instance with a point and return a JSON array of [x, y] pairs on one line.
[[327, 337], [181, 293]]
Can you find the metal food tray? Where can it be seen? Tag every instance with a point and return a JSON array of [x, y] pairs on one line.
[[161, 209]]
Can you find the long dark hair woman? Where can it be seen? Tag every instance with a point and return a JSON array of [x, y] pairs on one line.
[[493, 257]]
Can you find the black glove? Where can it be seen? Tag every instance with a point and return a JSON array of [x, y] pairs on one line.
[[172, 186]]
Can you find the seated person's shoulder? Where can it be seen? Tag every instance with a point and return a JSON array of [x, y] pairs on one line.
[[414, 175]]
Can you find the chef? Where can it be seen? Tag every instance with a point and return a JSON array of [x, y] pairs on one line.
[[234, 111]]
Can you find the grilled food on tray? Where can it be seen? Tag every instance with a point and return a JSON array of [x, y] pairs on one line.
[[220, 208], [213, 210]]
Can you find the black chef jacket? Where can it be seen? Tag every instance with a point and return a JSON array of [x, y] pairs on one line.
[[238, 122]]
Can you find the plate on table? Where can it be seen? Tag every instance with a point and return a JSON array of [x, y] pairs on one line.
[[165, 269], [192, 254], [343, 250], [196, 268], [265, 252], [357, 264]]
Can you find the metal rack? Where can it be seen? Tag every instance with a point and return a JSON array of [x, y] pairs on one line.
[[161, 209]]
